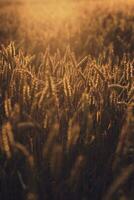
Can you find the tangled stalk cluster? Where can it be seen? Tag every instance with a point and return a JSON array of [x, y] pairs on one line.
[[65, 126]]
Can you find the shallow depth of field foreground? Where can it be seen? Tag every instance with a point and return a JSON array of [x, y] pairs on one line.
[[66, 100]]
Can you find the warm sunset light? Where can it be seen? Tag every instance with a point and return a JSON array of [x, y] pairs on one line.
[[66, 99], [62, 9]]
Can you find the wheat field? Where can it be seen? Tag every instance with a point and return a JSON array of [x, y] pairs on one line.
[[67, 100]]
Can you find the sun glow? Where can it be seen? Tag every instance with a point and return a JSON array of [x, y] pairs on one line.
[[59, 9], [51, 11], [48, 21]]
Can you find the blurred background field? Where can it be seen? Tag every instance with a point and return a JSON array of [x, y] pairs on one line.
[[89, 27], [67, 100]]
